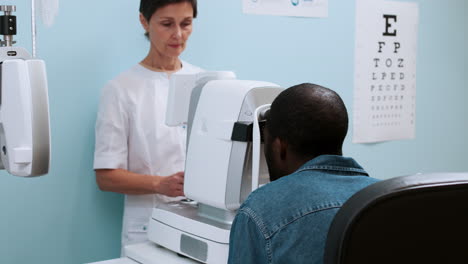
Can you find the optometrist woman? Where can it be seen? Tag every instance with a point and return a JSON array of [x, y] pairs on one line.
[[136, 153]]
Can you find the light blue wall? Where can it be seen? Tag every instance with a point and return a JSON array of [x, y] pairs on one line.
[[64, 218]]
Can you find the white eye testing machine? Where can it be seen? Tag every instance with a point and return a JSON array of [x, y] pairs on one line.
[[224, 163], [24, 106]]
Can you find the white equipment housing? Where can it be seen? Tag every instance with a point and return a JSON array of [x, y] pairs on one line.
[[223, 165], [218, 171], [24, 114]]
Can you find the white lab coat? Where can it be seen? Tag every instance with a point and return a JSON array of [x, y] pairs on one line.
[[131, 134]]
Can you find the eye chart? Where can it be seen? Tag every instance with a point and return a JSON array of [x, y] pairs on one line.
[[385, 70], [302, 8]]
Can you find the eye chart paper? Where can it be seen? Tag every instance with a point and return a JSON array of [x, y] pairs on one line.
[[302, 8], [385, 70]]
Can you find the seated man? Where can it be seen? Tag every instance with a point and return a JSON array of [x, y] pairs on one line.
[[287, 220]]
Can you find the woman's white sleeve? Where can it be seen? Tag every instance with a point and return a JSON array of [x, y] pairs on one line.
[[112, 126]]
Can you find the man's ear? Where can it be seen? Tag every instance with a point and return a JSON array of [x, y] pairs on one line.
[[144, 22], [282, 146]]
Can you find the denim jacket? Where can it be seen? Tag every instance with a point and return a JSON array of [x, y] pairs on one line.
[[287, 221]]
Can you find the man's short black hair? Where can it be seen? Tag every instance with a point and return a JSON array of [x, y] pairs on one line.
[[148, 7], [311, 118]]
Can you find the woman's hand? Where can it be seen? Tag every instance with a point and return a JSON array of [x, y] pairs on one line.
[[126, 182], [172, 185]]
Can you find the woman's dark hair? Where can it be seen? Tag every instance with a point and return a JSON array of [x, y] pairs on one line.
[[148, 7]]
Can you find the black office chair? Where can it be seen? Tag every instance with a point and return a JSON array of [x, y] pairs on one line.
[[412, 219]]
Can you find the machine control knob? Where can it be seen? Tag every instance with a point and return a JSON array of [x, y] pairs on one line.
[[8, 8]]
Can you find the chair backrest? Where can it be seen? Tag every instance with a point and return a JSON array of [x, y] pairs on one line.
[[421, 218]]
